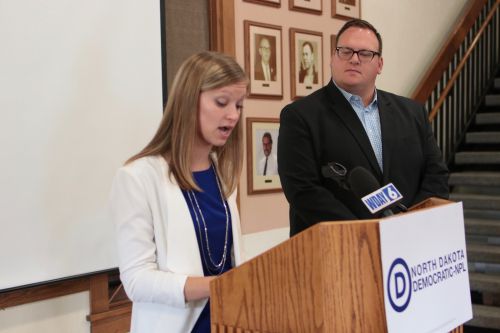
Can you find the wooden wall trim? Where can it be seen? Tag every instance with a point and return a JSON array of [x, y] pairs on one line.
[[445, 55], [105, 315], [124, 309], [116, 320], [99, 295], [221, 16], [43, 292]]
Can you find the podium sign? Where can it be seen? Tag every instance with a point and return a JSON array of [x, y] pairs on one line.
[[425, 274]]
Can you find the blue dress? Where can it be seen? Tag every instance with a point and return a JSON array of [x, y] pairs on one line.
[[213, 214]]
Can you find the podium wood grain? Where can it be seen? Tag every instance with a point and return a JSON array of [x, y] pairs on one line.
[[305, 285]]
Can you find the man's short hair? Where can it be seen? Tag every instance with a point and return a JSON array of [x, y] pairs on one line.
[[364, 25], [268, 135], [310, 45]]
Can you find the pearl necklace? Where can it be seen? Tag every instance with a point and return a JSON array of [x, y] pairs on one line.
[[214, 268]]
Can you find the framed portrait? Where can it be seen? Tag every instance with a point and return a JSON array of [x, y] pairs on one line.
[[262, 155], [272, 3], [306, 62], [307, 6], [263, 59], [346, 9]]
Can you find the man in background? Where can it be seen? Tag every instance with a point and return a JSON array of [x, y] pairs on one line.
[[308, 73], [351, 123], [268, 165], [264, 67]]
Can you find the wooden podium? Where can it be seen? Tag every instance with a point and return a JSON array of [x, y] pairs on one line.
[[328, 278]]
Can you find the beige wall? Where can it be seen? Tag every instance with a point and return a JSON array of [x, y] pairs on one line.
[[412, 32], [66, 314]]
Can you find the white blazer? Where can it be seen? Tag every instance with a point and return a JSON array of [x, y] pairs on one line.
[[157, 246]]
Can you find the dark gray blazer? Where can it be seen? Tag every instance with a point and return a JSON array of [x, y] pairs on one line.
[[323, 128]]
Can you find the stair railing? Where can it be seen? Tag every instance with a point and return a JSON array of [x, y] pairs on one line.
[[455, 84]]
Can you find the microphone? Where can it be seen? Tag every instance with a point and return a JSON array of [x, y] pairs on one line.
[[367, 188]]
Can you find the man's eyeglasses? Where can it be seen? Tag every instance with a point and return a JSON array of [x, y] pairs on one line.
[[346, 53]]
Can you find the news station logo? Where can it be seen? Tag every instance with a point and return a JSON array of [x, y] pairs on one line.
[[381, 198]]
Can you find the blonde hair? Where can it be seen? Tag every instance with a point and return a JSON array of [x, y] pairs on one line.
[[177, 131]]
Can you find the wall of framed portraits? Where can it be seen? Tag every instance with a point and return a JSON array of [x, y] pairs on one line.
[[279, 42], [285, 46]]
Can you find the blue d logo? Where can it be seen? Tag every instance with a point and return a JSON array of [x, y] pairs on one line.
[[399, 285]]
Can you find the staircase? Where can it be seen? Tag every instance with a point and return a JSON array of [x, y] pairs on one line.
[[475, 180]]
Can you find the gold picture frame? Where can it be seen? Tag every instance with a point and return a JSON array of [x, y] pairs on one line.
[[306, 6], [306, 62], [346, 9], [262, 162], [272, 3], [264, 59]]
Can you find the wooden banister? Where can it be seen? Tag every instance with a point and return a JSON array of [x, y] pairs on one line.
[[442, 60], [456, 73]]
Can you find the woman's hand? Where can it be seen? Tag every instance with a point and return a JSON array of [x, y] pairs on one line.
[[197, 288]]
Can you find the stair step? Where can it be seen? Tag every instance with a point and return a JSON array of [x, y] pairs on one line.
[[482, 239], [477, 201], [490, 228], [484, 282], [479, 157], [492, 100], [483, 267], [488, 118], [483, 137], [476, 178], [482, 207], [482, 214], [483, 253], [485, 316]]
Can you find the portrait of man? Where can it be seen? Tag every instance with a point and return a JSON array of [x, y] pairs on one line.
[[265, 58], [307, 72], [268, 164]]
